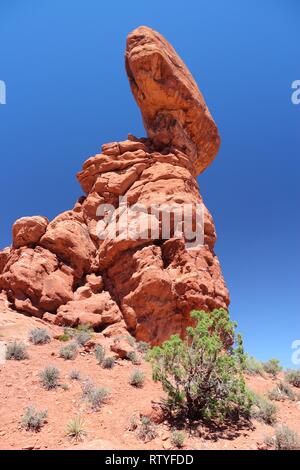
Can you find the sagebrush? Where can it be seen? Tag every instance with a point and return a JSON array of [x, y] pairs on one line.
[[99, 353], [39, 336], [293, 377], [263, 410], [282, 391], [108, 362], [137, 378], [83, 336], [33, 419], [75, 374], [286, 439], [133, 357], [69, 351], [96, 396], [177, 439], [50, 377], [16, 351], [146, 429]]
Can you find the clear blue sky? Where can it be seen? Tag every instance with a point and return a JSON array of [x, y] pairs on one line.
[[67, 93]]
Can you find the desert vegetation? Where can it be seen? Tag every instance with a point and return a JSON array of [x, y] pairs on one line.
[[97, 396], [202, 378], [272, 367], [203, 374], [134, 358], [137, 378], [263, 409], [39, 336], [282, 391], [143, 347], [177, 439], [16, 351], [253, 366], [50, 377], [108, 362], [99, 353], [75, 374], [69, 352], [146, 429], [284, 439], [75, 429], [293, 377], [33, 419]]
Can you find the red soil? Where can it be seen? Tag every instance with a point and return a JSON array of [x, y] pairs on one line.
[[107, 428]]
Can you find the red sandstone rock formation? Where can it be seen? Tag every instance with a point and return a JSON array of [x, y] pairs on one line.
[[63, 272], [173, 109]]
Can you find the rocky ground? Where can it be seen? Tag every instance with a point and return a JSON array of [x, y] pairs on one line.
[[111, 426]]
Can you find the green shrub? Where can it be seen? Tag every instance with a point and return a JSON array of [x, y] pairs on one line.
[[203, 374], [137, 378], [293, 377], [253, 366], [286, 439], [76, 428], [64, 338], [99, 353], [108, 362], [146, 431], [263, 410], [65, 387], [282, 392], [16, 351], [69, 351], [97, 396], [33, 419], [39, 336], [272, 367], [133, 357], [74, 374], [177, 439], [50, 377]]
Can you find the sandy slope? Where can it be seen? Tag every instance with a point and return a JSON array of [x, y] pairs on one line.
[[107, 428]]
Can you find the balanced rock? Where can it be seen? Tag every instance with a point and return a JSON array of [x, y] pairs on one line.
[[87, 266], [173, 109]]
